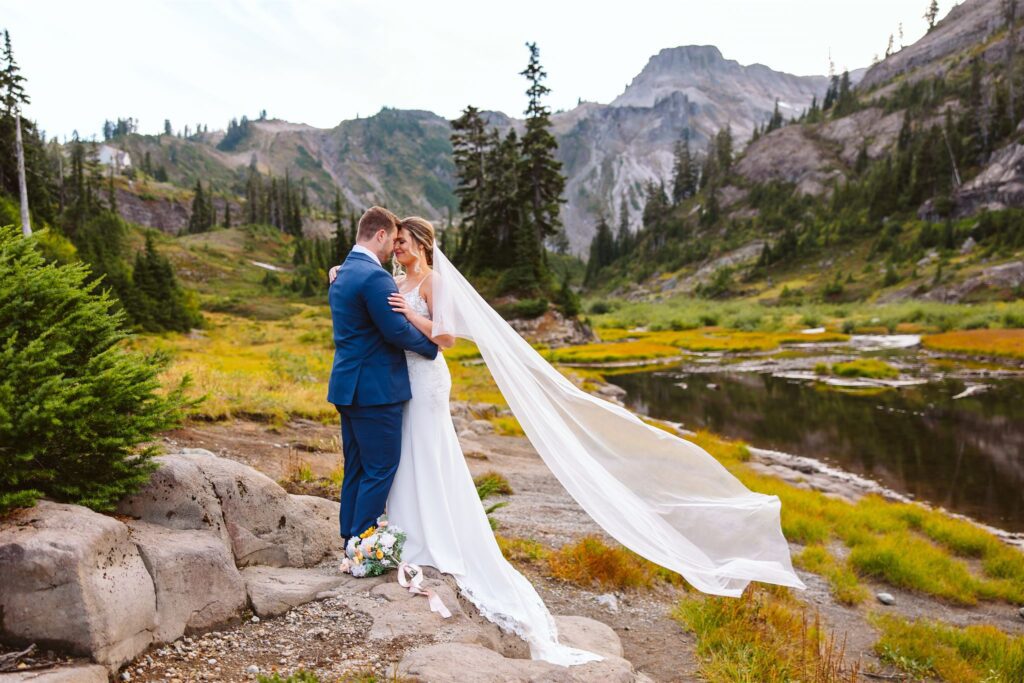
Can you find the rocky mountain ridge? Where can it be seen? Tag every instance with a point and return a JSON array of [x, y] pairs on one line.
[[402, 158]]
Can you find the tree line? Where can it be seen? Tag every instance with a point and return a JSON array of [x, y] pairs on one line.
[[510, 194]]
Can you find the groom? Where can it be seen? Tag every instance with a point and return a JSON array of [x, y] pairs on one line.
[[369, 381]]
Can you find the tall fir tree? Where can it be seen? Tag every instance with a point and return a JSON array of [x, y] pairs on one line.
[[341, 242], [471, 145], [624, 239], [932, 13], [602, 251], [684, 171], [199, 220], [542, 179]]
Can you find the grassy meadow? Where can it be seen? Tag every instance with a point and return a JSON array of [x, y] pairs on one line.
[[264, 354]]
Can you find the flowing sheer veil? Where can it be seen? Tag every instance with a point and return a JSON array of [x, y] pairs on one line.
[[661, 496]]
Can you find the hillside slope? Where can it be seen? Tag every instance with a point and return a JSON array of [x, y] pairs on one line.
[[909, 187]]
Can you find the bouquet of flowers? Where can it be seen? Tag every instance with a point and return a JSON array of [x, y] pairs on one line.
[[376, 551]]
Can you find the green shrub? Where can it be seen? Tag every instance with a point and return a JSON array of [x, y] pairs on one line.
[[524, 308], [600, 308], [74, 405]]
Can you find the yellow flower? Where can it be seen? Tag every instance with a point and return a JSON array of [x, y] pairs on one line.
[[359, 558], [368, 532], [380, 554]]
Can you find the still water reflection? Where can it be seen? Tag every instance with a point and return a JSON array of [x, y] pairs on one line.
[[966, 455]]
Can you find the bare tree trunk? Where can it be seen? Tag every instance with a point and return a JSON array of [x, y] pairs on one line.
[[26, 226]]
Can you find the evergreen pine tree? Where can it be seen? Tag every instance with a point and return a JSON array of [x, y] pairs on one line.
[[602, 252], [64, 363], [932, 13], [684, 173], [471, 146], [624, 239], [775, 122], [542, 180], [197, 221], [341, 242], [494, 243]]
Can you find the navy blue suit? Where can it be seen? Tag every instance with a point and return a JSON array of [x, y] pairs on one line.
[[369, 383]]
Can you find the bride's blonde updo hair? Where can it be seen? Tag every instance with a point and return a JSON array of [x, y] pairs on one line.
[[422, 232]]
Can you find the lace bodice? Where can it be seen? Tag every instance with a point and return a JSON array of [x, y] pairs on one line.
[[416, 300], [429, 378]]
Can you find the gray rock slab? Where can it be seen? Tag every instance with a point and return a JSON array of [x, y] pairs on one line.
[[73, 579], [197, 584]]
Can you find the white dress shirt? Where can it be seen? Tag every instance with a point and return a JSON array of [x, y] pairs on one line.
[[360, 249]]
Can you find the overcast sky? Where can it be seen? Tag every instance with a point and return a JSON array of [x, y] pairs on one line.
[[320, 62]]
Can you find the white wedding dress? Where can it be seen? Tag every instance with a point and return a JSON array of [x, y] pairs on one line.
[[434, 500]]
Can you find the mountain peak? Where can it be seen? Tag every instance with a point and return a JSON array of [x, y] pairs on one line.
[[700, 70]]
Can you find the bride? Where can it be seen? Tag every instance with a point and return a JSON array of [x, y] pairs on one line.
[[433, 497], [659, 495]]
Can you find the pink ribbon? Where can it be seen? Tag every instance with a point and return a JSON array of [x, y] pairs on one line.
[[411, 576]]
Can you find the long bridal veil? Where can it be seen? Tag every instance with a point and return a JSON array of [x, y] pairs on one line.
[[657, 494]]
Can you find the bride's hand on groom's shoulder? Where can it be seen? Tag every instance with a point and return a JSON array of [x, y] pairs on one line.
[[332, 274], [399, 304]]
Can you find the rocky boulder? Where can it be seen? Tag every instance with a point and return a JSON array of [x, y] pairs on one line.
[[871, 129], [194, 575], [999, 185], [1003, 279], [262, 523], [553, 329], [74, 580], [275, 590]]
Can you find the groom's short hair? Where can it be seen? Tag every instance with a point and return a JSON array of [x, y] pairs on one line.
[[374, 219]]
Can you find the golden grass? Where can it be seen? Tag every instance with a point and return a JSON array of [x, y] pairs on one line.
[[473, 383], [592, 563], [492, 483], [1009, 343], [462, 350], [720, 339], [507, 425], [842, 581], [926, 649], [255, 369], [522, 549], [610, 352], [624, 345], [764, 636], [860, 367]]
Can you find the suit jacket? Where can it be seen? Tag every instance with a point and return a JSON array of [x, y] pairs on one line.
[[369, 338]]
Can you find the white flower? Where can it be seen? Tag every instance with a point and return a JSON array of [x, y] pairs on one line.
[[359, 570], [387, 541], [350, 547]]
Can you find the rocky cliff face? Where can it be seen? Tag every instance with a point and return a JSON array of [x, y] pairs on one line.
[[966, 24], [611, 151]]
